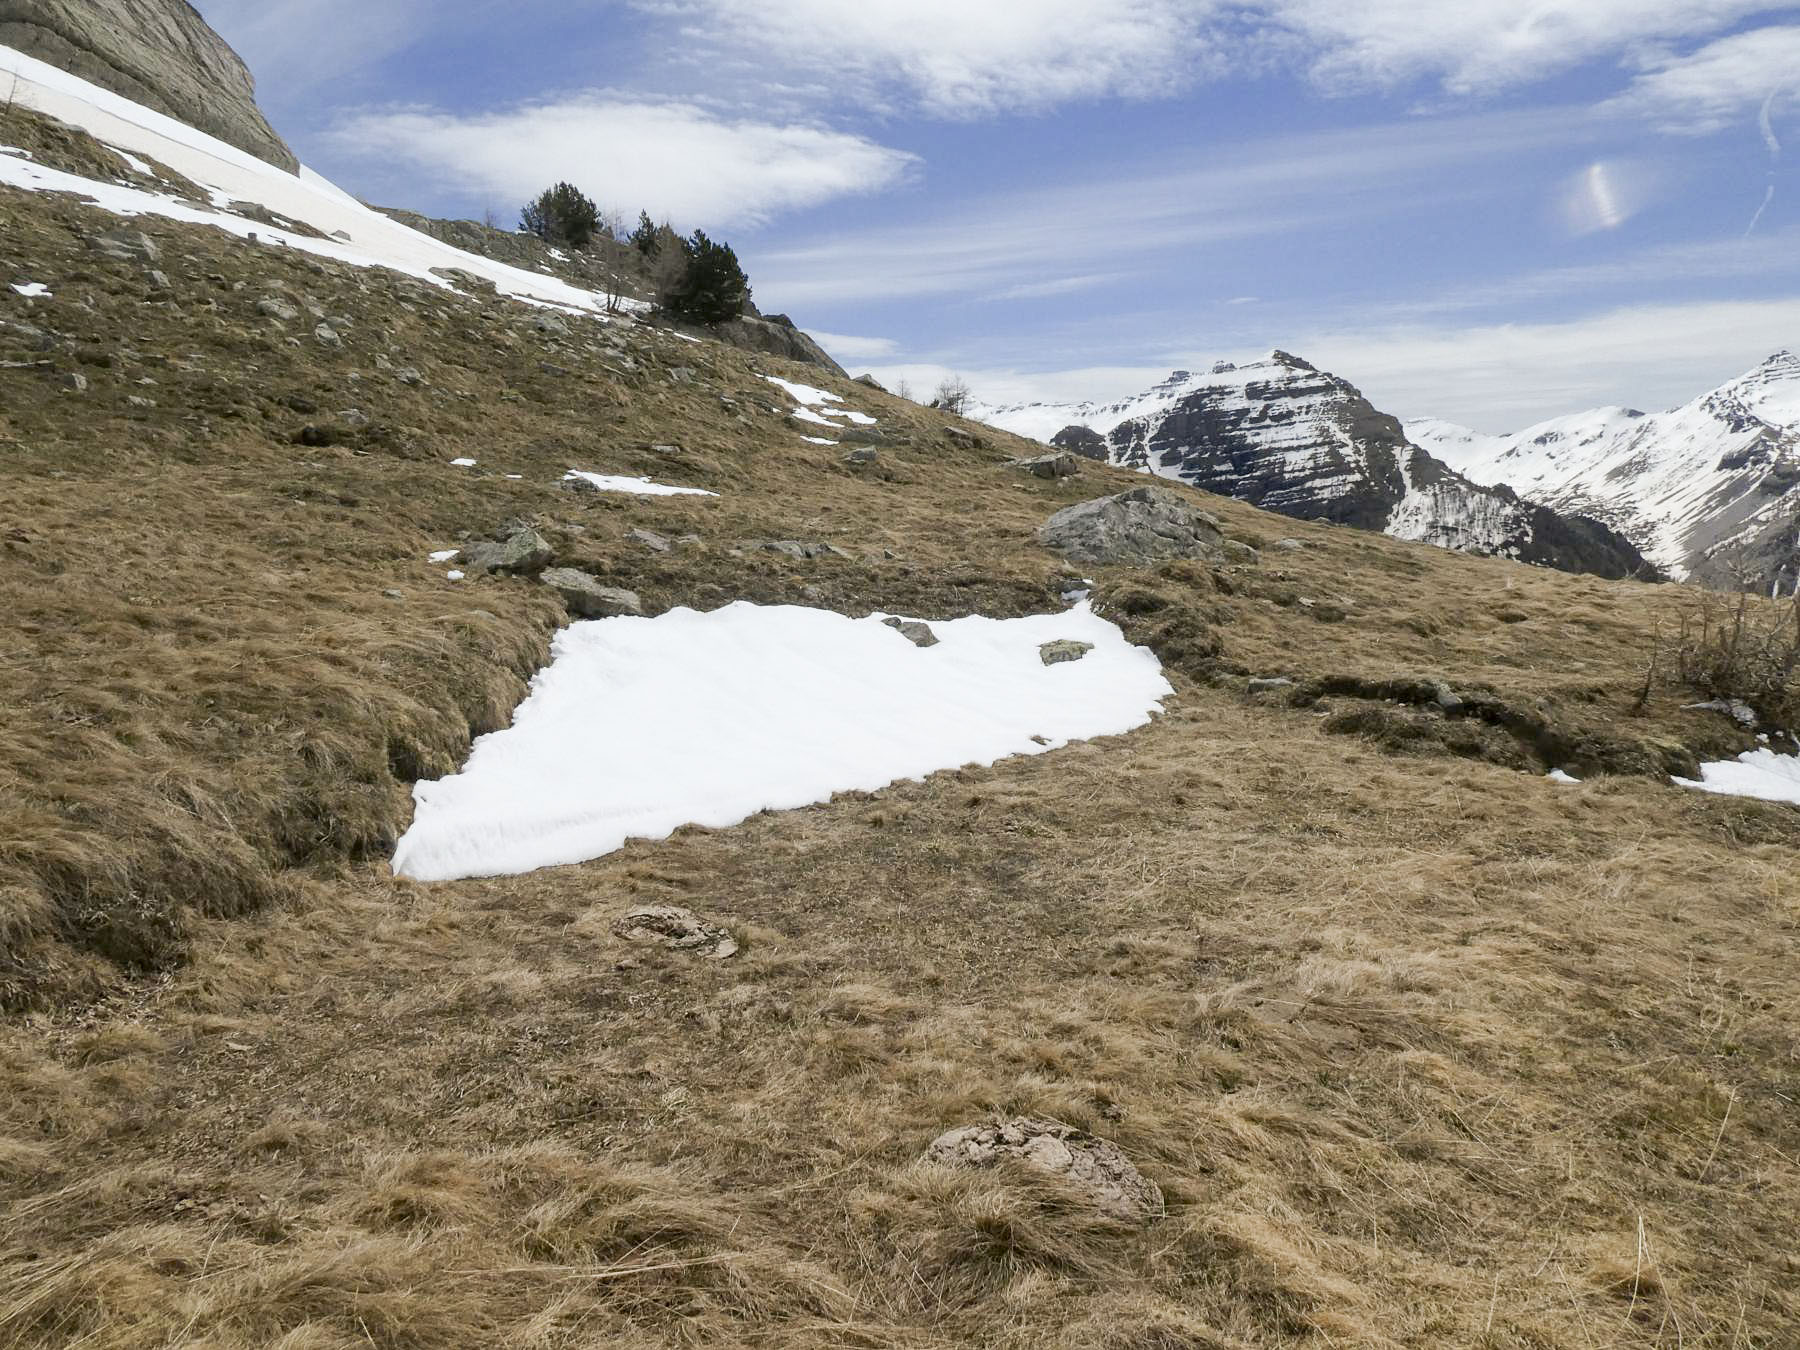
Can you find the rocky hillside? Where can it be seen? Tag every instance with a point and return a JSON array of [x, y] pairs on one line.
[[1290, 438], [158, 53], [1710, 490]]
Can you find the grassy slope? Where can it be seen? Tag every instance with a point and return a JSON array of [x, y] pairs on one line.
[[1423, 1049]]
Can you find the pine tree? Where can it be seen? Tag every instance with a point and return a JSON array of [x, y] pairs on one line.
[[712, 287], [646, 238], [561, 215]]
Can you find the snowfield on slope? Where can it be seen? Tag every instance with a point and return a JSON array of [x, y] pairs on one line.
[[357, 235], [640, 726]]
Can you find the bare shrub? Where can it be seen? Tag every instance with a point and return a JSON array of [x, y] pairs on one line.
[[1742, 648]]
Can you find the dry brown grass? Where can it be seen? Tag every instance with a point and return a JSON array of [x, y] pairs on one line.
[[1422, 1050]]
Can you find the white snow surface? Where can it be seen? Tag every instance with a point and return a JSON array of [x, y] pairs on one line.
[[804, 394], [1755, 773], [462, 463], [1678, 483], [358, 235], [641, 487], [33, 290], [640, 726], [1562, 776], [444, 555]]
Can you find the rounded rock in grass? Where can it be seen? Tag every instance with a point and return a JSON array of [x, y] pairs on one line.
[[678, 929], [1089, 1163]]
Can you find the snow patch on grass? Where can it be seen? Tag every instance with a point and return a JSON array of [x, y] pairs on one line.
[[642, 487], [1755, 773], [640, 726]]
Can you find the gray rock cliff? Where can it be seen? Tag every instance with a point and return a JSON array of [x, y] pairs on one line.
[[159, 53]]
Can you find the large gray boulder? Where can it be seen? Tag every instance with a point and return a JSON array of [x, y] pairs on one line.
[[1144, 525], [159, 53]]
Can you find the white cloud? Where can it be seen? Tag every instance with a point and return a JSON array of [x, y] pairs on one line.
[[1501, 377], [848, 347], [1032, 242], [673, 159], [957, 58], [1754, 74], [1476, 46]]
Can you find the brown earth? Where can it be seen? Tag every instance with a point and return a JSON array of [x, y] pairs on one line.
[[1420, 1048]]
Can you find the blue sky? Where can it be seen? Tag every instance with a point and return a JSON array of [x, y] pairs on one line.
[[1492, 211]]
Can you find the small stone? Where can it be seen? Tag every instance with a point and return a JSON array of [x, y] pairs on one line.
[[354, 418], [272, 308], [968, 440], [666, 449], [1289, 545], [1060, 465], [159, 281], [681, 374], [139, 401], [75, 382], [1236, 551], [651, 540], [395, 595], [408, 375], [588, 599], [326, 336], [1090, 1164], [1269, 684], [1063, 650], [919, 634], [861, 455], [678, 929]]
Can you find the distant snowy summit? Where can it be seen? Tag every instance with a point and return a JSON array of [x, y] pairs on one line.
[[1282, 434], [1710, 490]]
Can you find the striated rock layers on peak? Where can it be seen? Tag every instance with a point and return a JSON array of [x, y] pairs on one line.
[[1286, 436], [159, 53]]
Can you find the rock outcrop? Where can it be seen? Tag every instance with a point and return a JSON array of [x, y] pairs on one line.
[[159, 53], [1283, 435]]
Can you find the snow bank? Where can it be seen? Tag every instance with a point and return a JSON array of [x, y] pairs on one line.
[[642, 487], [357, 235], [1755, 773], [639, 726]]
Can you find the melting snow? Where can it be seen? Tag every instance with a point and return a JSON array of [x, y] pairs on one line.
[[1560, 776], [640, 726], [818, 440], [808, 415], [462, 463], [454, 576], [1755, 773], [34, 290], [804, 393], [642, 487], [445, 555]]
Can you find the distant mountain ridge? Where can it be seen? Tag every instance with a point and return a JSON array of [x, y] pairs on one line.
[[1710, 490], [1286, 436]]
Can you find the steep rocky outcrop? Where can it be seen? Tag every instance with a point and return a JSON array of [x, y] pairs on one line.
[[159, 53], [1288, 437], [776, 335], [1709, 491]]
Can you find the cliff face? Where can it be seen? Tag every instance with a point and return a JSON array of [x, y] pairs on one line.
[[159, 53]]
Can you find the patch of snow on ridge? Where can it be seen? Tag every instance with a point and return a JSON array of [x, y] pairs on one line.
[[356, 234], [1755, 773], [33, 290], [642, 487], [640, 726], [803, 393]]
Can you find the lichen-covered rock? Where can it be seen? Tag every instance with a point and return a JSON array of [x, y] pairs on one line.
[[1063, 650], [588, 599], [523, 550], [1145, 525], [1091, 1164], [1060, 465], [678, 929], [159, 53], [919, 634]]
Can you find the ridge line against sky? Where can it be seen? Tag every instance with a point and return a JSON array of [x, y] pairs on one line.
[[1490, 211]]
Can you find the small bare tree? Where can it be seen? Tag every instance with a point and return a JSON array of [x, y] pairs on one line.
[[953, 395]]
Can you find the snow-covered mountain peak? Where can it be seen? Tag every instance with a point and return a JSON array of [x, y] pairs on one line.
[[1709, 489]]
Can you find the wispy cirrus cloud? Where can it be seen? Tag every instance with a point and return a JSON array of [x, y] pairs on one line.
[[1748, 75], [675, 159]]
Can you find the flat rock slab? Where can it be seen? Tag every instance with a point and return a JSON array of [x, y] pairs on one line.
[[1145, 525], [588, 599], [1060, 465], [1092, 1164], [678, 929]]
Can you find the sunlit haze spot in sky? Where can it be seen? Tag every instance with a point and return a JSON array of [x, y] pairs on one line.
[[1603, 196]]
